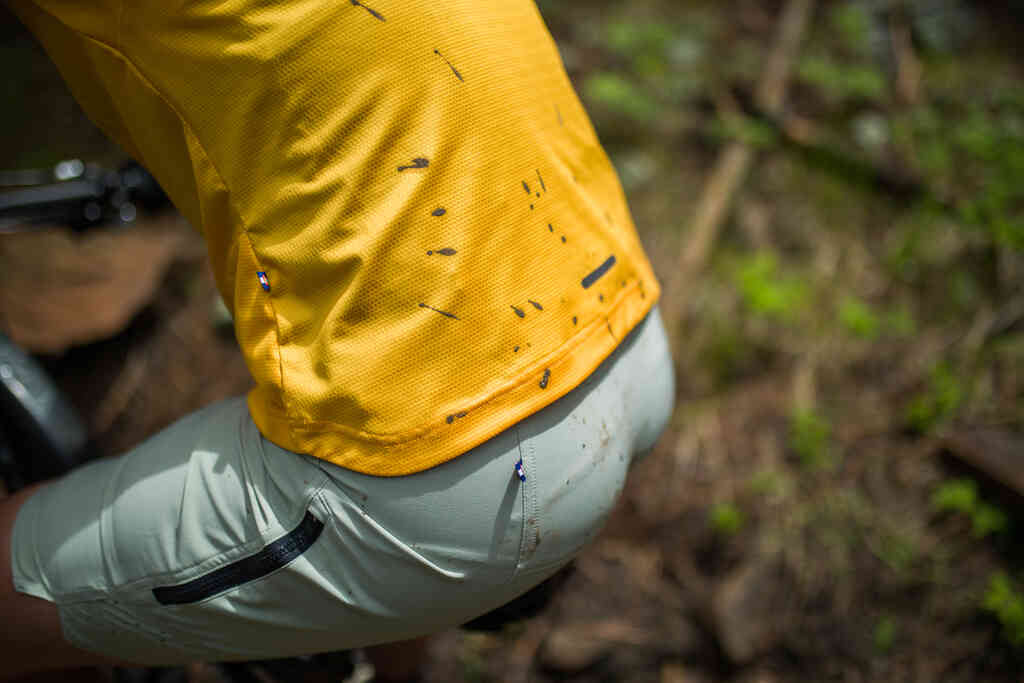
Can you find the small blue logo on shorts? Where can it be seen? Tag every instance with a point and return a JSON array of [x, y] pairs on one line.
[[262, 275], [520, 470]]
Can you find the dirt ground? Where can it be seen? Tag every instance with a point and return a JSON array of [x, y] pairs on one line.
[[838, 496]]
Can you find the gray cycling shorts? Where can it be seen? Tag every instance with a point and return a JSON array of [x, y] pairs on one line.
[[208, 542]]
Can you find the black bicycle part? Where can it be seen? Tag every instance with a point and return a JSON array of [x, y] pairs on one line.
[[76, 194], [42, 434]]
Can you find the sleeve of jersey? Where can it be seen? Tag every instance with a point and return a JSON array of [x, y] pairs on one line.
[[128, 68]]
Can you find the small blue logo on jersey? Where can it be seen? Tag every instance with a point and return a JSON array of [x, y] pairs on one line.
[[262, 275]]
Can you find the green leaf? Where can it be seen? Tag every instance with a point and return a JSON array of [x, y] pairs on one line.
[[809, 435], [841, 81], [619, 95], [938, 402], [746, 130], [956, 495], [630, 37], [853, 23], [988, 519], [726, 519], [1007, 605], [767, 292], [885, 634], [858, 318]]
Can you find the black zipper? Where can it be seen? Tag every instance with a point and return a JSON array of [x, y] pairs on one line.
[[271, 558]]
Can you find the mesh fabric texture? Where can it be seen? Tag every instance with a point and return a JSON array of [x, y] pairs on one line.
[[447, 246]]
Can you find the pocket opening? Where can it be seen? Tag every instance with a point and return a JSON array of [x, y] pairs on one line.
[[272, 557]]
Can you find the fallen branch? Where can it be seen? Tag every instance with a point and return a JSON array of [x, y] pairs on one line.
[[908, 66], [735, 159]]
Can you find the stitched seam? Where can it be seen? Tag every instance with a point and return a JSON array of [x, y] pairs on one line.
[[386, 440], [270, 300], [243, 228], [531, 491], [530, 509], [522, 492]]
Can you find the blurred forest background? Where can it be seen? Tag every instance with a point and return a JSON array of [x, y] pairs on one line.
[[832, 193]]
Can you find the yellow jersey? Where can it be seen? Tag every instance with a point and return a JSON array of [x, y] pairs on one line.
[[406, 207]]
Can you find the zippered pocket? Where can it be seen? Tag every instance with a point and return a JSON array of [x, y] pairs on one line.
[[272, 557]]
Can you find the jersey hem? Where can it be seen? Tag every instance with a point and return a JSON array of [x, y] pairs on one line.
[[523, 395]]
